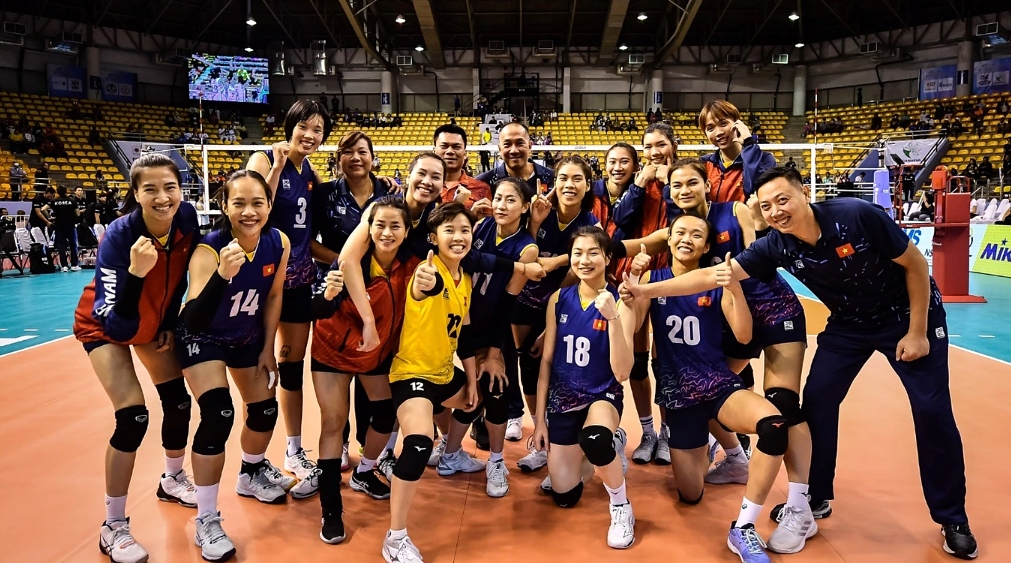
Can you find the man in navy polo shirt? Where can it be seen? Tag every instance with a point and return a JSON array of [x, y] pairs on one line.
[[876, 284], [514, 148]]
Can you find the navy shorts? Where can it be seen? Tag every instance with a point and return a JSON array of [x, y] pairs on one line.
[[191, 353], [436, 393], [793, 329], [381, 369], [526, 315], [689, 427], [564, 427], [296, 304], [90, 347]]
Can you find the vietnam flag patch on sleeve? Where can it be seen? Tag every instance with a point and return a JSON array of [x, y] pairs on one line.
[[599, 324], [705, 301], [845, 250], [723, 237], [268, 270]]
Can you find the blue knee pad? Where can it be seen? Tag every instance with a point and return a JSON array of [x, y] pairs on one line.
[[290, 375], [216, 417], [568, 499], [175, 405], [262, 416], [414, 457], [384, 416], [788, 403], [773, 435], [131, 425], [597, 443]]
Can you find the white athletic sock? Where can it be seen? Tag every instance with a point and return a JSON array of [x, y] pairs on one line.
[[207, 499], [495, 456], [294, 444], [617, 495], [173, 465], [252, 458], [391, 444], [797, 497], [115, 508], [749, 512], [664, 429], [647, 425], [365, 465], [397, 534], [736, 455]]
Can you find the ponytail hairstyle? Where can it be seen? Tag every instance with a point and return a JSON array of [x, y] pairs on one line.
[[223, 223], [146, 161]]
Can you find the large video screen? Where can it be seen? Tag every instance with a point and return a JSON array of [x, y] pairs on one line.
[[229, 79]]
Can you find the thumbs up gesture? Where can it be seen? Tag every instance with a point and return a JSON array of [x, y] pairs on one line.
[[232, 258], [334, 282], [641, 261], [725, 272], [427, 273]]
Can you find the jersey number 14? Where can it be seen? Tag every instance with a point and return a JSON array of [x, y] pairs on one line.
[[249, 305]]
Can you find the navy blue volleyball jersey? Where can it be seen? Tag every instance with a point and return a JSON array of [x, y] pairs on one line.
[[292, 215], [489, 287], [581, 367], [688, 332], [553, 240], [239, 318], [770, 299]]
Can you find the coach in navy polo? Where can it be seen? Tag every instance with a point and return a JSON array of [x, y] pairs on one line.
[[876, 285]]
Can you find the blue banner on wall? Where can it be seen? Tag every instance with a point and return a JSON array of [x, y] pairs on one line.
[[991, 76], [937, 82], [67, 81], [119, 86]]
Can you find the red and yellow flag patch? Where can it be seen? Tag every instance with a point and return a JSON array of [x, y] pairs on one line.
[[705, 301], [599, 324], [723, 237], [845, 250], [268, 270]]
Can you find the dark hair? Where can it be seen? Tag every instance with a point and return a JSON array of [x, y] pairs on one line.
[[426, 154], [149, 160], [588, 197], [393, 202], [61, 190], [789, 174], [665, 130], [50, 190], [303, 110], [452, 130], [223, 223], [447, 212], [631, 151], [350, 139], [695, 164], [710, 232], [598, 235], [525, 191]]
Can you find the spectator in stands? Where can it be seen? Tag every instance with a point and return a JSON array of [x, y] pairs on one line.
[[17, 179], [331, 165], [860, 97], [845, 187], [945, 128], [40, 209], [971, 170], [75, 110], [100, 182], [18, 145], [335, 104], [985, 172], [876, 122], [926, 212], [905, 120], [790, 163], [893, 123], [94, 137], [957, 128], [1007, 151]]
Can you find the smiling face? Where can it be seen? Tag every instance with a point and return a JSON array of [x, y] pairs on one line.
[[720, 131], [689, 239], [785, 207], [514, 146], [356, 161], [620, 166], [454, 237], [571, 184], [426, 180], [388, 229], [687, 188], [452, 149], [587, 259], [657, 148], [307, 135], [247, 206], [158, 193]]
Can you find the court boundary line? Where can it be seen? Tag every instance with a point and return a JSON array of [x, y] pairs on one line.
[[11, 353]]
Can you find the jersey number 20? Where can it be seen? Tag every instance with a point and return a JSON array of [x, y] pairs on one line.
[[691, 335]]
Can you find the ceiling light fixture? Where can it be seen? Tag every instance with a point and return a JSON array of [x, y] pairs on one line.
[[642, 16], [793, 17], [250, 22], [419, 48], [400, 18], [623, 47], [249, 49], [799, 45]]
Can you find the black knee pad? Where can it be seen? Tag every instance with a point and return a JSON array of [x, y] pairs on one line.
[[438, 409], [773, 435], [655, 364], [747, 376], [175, 406], [384, 416], [496, 403], [261, 416], [291, 375], [788, 404], [413, 458], [530, 370], [568, 499], [464, 417], [216, 417], [131, 425], [597, 443], [640, 366], [690, 502]]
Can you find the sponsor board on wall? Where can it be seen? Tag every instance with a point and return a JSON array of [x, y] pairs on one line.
[[989, 247]]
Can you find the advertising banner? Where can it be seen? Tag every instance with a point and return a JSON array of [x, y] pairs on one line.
[[993, 253], [991, 76], [67, 81], [937, 82], [119, 86]]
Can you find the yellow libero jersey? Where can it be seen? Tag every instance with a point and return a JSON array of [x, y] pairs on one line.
[[431, 328]]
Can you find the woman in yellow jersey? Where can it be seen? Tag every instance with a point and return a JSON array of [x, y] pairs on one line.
[[423, 375]]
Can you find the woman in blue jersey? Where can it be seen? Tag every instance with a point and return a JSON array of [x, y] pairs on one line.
[[229, 322], [291, 176], [484, 339], [553, 220], [695, 384], [587, 356]]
